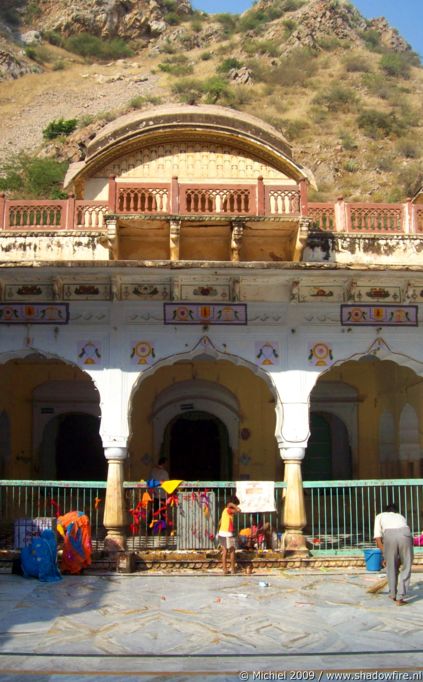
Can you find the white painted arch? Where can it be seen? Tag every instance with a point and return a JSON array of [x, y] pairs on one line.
[[205, 349]]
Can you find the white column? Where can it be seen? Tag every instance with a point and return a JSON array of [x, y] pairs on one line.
[[292, 434], [115, 513]]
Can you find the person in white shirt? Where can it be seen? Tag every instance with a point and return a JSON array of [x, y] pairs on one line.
[[393, 537], [158, 472]]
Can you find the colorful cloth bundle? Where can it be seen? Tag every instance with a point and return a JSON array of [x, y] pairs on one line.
[[39, 558], [75, 529]]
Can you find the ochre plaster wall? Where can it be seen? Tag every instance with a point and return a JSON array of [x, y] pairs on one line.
[[382, 386], [257, 413], [17, 382]]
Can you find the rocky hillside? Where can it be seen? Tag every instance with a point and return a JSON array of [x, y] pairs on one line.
[[346, 92]]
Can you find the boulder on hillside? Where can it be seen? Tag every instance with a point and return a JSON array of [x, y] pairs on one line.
[[128, 19]]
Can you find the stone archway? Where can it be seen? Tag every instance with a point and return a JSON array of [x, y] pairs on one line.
[[241, 395], [71, 449], [40, 387], [385, 383], [196, 445], [205, 414]]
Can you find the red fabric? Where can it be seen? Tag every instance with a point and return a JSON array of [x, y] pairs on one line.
[[77, 542]]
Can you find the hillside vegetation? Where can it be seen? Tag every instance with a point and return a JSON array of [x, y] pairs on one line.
[[346, 92]]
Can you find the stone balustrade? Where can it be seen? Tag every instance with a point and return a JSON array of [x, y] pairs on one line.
[[202, 199]]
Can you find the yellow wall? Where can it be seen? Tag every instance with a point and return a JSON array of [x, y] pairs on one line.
[[18, 379], [257, 413], [381, 386]]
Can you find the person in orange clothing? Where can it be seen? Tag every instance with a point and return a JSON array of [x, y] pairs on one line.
[[75, 529], [226, 533]]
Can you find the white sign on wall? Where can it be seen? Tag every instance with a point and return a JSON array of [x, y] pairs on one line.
[[256, 496]]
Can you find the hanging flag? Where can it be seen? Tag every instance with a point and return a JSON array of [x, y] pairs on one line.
[[170, 486]]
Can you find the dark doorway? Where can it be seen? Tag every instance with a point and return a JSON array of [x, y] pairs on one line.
[[328, 454], [79, 449], [317, 465], [197, 445]]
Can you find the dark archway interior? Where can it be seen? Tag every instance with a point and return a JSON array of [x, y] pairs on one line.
[[199, 448], [79, 449], [328, 454]]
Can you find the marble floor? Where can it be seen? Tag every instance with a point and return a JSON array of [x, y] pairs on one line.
[[206, 626]]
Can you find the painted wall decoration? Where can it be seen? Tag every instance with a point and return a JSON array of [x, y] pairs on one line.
[[89, 352], [145, 291], [87, 292], [362, 292], [28, 292], [205, 291], [315, 292], [142, 353], [379, 315], [34, 313], [197, 313], [413, 292], [320, 354], [267, 353]]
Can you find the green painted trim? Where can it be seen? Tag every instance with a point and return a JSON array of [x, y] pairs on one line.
[[53, 484], [380, 483]]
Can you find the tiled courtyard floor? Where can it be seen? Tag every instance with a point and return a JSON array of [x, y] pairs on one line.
[[206, 626]]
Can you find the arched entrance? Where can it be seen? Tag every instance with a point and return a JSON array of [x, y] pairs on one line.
[[66, 418], [197, 447], [38, 391], [328, 453], [228, 400], [381, 405], [79, 449]]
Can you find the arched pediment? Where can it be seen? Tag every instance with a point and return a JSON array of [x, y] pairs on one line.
[[171, 138]]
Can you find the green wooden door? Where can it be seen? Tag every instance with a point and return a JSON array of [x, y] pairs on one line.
[[317, 464]]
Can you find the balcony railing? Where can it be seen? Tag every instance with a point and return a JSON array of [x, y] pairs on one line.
[[340, 514], [205, 199]]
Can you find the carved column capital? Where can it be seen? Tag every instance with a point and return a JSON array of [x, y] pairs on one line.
[[291, 453]]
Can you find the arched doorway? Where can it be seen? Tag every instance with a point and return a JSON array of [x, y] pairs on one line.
[[239, 407], [71, 449], [381, 403], [197, 447], [79, 449], [39, 388], [328, 453]]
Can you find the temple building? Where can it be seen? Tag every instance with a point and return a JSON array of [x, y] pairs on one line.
[[188, 301]]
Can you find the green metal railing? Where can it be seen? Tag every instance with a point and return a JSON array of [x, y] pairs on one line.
[[191, 519], [29, 506], [340, 514]]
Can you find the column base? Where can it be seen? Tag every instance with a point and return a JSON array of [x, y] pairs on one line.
[[115, 541], [294, 543]]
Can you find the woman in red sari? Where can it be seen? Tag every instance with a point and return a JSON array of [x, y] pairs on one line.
[[76, 532]]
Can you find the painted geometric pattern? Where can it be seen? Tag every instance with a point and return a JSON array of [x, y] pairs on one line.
[[197, 313], [379, 315], [194, 160]]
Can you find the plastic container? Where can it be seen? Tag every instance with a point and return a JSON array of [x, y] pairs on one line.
[[373, 559]]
